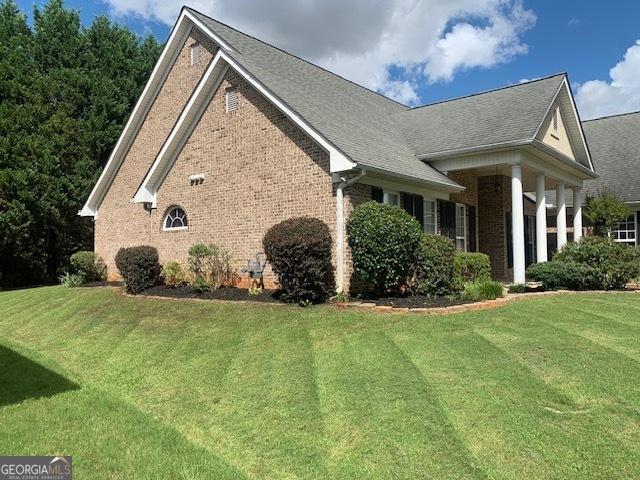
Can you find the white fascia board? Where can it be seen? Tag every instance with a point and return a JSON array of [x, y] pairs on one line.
[[579, 122], [191, 113], [216, 38], [338, 161], [177, 37], [564, 86]]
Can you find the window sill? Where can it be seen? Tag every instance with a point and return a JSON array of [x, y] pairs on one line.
[[175, 229]]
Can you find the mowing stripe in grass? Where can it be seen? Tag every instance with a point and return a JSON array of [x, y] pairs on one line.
[[470, 374], [267, 418], [604, 330], [381, 418], [107, 439], [582, 370]]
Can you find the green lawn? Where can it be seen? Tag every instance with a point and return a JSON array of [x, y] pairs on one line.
[[141, 388]]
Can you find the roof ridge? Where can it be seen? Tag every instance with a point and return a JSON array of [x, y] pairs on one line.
[[605, 117], [462, 97], [299, 58]]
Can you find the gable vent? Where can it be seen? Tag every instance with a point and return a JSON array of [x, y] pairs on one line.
[[196, 53], [555, 119], [231, 100]]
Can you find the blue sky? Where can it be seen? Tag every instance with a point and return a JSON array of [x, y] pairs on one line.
[[532, 39]]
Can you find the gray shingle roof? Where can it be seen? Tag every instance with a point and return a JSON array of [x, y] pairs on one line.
[[614, 143], [359, 122], [509, 114]]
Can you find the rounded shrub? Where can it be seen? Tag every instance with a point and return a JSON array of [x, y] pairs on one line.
[[434, 266], [556, 275], [299, 251], [483, 290], [471, 267], [612, 264], [139, 267], [173, 274], [88, 266], [383, 241]]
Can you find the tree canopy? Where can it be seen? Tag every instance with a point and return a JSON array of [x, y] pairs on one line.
[[604, 212], [65, 93]]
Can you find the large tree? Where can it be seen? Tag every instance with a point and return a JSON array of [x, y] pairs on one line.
[[65, 94]]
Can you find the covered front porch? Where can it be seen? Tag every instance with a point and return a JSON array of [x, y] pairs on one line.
[[506, 192]]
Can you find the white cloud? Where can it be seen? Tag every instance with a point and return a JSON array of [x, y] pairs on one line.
[[421, 40], [598, 98]]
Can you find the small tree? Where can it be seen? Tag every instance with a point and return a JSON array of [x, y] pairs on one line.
[[604, 212]]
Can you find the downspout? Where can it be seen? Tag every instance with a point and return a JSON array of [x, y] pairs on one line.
[[340, 227]]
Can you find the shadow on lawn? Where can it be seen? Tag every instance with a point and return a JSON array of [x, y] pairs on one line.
[[22, 379]]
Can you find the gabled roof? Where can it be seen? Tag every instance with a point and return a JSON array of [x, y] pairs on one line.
[[358, 127], [359, 122], [615, 147]]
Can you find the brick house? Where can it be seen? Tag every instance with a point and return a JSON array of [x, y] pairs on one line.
[[232, 135]]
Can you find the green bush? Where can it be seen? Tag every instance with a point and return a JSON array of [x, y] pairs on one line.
[[483, 290], [210, 266], [299, 251], [89, 266], [556, 275], [613, 264], [471, 267], [383, 241], [70, 280], [434, 266], [517, 288], [173, 274], [139, 267]]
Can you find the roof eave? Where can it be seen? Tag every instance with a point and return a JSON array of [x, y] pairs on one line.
[[451, 186]]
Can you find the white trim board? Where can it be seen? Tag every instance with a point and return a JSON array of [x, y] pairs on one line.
[[192, 113], [186, 20]]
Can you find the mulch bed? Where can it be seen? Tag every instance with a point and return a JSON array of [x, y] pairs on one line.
[[224, 293], [417, 301]]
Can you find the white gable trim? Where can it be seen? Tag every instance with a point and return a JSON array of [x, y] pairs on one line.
[[195, 108], [179, 33], [177, 37], [581, 147]]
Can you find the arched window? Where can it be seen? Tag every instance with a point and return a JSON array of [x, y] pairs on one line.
[[176, 219]]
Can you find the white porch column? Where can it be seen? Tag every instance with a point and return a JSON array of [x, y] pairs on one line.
[[541, 219], [517, 224], [561, 211], [577, 214]]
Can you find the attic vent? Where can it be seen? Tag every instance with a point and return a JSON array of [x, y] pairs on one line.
[[231, 99], [196, 51], [555, 119]]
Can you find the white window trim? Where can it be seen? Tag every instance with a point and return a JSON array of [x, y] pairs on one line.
[[634, 241], [174, 229], [435, 213], [464, 226], [385, 197]]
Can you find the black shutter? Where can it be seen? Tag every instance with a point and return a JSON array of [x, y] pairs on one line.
[[377, 194], [407, 202], [447, 219], [472, 228], [509, 241], [637, 228], [418, 208]]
